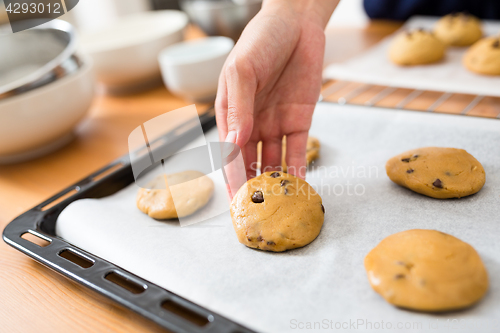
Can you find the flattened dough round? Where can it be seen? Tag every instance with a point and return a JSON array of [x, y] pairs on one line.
[[277, 211], [193, 190], [458, 29], [312, 152], [440, 173], [484, 56], [426, 270], [416, 47]]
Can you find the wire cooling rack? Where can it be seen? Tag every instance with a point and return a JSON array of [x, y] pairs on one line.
[[346, 92]]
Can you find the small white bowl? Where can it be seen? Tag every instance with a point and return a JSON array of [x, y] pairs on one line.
[[39, 121], [125, 53], [191, 69]]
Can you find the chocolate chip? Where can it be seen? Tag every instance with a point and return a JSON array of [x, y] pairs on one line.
[[323, 209], [260, 239], [249, 239], [438, 183], [284, 182], [496, 43], [409, 171], [408, 159], [399, 276], [257, 197], [275, 175], [286, 190], [271, 243]]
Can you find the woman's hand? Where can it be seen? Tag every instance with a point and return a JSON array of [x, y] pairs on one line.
[[271, 82]]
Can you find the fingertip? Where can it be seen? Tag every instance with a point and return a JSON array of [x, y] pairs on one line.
[[296, 154], [272, 155], [250, 157]]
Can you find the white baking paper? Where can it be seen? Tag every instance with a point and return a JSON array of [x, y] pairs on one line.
[[374, 67], [324, 282]]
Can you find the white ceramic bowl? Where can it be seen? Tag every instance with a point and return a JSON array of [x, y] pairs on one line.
[[125, 53], [41, 120], [191, 69]]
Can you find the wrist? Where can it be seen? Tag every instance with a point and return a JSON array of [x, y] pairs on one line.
[[316, 11]]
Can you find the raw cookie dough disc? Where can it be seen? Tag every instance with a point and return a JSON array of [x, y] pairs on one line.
[[194, 190], [459, 29], [426, 270], [437, 172], [416, 47], [277, 211], [484, 56], [312, 152]]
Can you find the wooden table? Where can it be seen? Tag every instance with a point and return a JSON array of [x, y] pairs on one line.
[[36, 299]]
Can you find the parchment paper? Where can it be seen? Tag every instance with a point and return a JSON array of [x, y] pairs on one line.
[[374, 67], [324, 282]]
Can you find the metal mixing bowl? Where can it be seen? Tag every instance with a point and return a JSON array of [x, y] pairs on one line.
[[221, 17], [45, 90], [36, 57]]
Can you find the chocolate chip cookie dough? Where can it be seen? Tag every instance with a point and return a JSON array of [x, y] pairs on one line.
[[458, 29], [416, 47], [193, 191], [312, 152], [437, 172], [277, 212], [484, 56], [426, 270]]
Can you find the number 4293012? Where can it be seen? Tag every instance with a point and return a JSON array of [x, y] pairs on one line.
[[33, 8]]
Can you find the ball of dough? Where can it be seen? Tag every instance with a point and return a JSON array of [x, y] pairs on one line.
[[440, 173], [458, 29], [426, 270], [416, 47], [484, 56], [277, 211], [192, 191]]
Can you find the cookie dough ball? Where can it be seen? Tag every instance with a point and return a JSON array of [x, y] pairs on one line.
[[459, 29], [192, 189], [277, 212], [416, 47], [312, 152], [426, 270], [440, 173], [484, 56]]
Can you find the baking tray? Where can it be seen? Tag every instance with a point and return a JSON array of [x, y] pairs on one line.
[[326, 279], [131, 291]]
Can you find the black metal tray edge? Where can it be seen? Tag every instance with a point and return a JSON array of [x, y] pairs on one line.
[[41, 223]]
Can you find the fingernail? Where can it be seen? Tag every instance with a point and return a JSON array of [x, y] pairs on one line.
[[231, 137]]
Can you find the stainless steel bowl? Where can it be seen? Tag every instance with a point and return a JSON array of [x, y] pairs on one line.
[[221, 17], [46, 88], [36, 57]]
